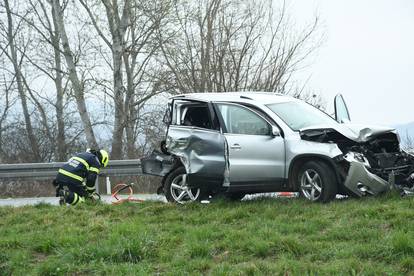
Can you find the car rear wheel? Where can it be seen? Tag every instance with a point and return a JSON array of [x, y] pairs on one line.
[[176, 188], [317, 181]]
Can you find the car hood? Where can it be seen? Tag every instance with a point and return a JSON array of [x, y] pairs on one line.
[[354, 132]]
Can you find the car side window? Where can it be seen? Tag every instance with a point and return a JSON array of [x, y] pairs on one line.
[[197, 116], [193, 114], [240, 120]]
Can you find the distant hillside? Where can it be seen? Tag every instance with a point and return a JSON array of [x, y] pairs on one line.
[[406, 130]]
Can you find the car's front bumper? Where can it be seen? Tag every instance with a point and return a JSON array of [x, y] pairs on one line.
[[362, 182]]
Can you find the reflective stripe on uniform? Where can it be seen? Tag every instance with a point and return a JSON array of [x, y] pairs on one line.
[[75, 199], [83, 161], [72, 175], [90, 188], [93, 169]]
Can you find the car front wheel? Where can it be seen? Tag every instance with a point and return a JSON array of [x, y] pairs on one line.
[[176, 188], [317, 181]]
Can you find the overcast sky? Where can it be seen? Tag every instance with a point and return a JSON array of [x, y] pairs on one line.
[[367, 55]]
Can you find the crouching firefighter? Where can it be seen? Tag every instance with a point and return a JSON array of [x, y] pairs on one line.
[[75, 180]]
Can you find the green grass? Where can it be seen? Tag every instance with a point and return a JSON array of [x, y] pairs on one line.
[[371, 236]]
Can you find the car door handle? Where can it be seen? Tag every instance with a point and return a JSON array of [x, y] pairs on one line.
[[235, 146]]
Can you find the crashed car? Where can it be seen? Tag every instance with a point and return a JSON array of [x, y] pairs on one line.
[[245, 143]]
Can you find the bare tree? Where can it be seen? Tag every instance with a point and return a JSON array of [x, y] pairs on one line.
[[7, 103], [226, 45], [130, 26], [41, 59], [44, 60], [120, 54], [48, 30], [57, 11], [16, 61]]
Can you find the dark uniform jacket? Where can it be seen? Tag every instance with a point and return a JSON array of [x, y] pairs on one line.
[[83, 167]]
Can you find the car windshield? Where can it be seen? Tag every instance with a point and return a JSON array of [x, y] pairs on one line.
[[298, 115]]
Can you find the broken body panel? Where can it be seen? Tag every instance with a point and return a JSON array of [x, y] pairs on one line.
[[158, 163], [201, 152], [193, 142], [372, 161]]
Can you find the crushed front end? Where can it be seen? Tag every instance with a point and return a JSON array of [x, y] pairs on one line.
[[378, 165], [372, 163]]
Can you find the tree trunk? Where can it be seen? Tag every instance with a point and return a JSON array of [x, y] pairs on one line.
[[130, 135], [129, 107], [73, 76], [29, 128], [60, 137], [119, 119], [117, 27], [3, 118]]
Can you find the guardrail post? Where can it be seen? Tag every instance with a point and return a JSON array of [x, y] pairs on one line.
[[97, 184], [108, 186]]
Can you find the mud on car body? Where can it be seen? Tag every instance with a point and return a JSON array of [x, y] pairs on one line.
[[244, 143]]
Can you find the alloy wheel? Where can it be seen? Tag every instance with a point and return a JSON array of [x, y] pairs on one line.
[[181, 192], [311, 184]]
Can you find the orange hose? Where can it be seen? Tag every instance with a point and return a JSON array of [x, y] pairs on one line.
[[120, 187]]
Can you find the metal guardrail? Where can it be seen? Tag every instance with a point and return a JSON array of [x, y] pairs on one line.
[[130, 167]]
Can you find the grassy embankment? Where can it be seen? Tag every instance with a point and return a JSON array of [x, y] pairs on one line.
[[283, 236]]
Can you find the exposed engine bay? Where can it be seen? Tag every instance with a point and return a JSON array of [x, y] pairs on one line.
[[371, 162]]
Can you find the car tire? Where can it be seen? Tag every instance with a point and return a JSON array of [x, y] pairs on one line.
[[317, 181], [175, 190]]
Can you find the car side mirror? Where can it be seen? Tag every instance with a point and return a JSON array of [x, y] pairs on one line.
[[275, 131]]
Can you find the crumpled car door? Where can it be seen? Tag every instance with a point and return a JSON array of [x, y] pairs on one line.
[[202, 153]]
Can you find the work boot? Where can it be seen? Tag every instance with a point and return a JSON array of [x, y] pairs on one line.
[[62, 194]]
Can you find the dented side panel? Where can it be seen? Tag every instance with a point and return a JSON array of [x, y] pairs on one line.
[[295, 147], [202, 153]]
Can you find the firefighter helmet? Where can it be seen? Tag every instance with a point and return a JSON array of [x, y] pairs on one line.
[[104, 158]]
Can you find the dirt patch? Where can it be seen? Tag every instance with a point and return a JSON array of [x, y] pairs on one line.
[[39, 257]]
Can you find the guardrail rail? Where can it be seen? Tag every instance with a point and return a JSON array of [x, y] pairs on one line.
[[39, 171], [130, 167]]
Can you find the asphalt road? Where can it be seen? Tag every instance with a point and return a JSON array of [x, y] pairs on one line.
[[16, 202]]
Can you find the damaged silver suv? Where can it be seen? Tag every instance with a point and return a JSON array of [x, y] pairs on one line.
[[244, 143]]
